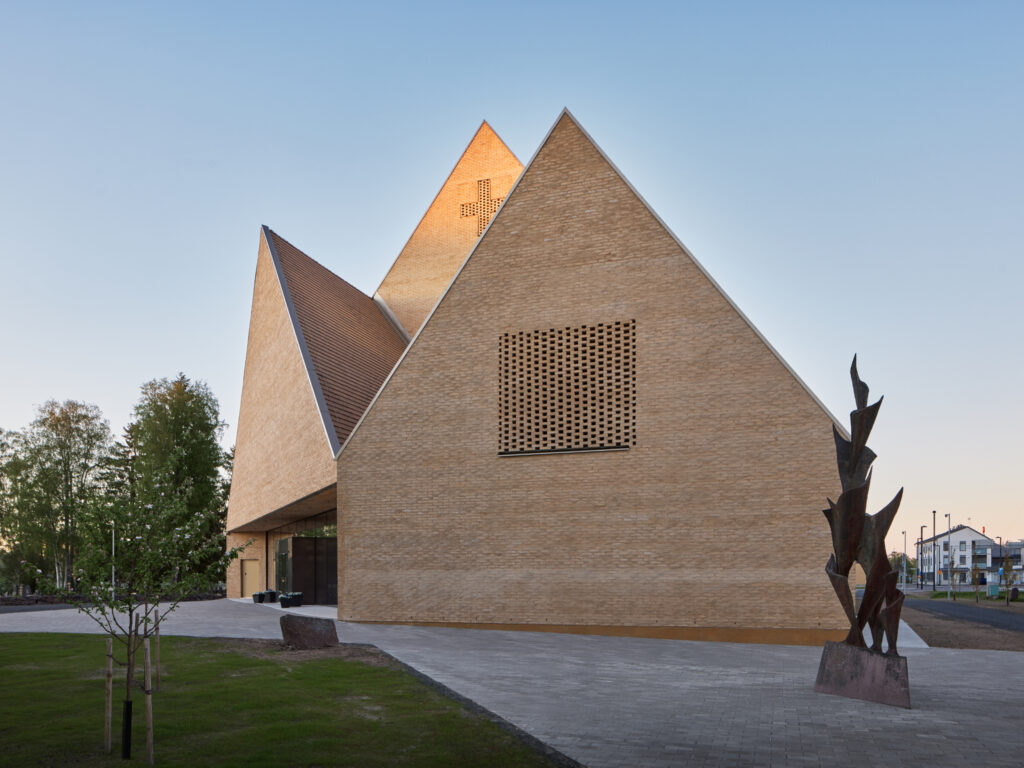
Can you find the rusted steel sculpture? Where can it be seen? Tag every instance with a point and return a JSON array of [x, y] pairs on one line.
[[857, 536], [860, 537]]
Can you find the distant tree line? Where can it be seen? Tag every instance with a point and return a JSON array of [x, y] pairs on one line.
[[69, 490]]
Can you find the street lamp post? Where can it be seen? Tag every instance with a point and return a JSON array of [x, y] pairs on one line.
[[935, 560], [949, 549], [920, 559], [1002, 555], [904, 559], [111, 560]]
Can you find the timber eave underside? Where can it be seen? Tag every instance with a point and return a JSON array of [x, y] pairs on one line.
[[313, 504]]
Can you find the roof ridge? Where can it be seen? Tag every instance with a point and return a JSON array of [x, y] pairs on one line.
[[319, 264]]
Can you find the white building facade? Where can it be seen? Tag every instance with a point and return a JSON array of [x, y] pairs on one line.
[[949, 557]]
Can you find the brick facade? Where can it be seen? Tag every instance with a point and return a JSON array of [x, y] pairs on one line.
[[711, 522]]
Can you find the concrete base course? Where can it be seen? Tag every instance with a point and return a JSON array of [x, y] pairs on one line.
[[620, 701]]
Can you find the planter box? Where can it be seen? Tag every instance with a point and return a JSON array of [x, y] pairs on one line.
[[271, 595], [257, 597]]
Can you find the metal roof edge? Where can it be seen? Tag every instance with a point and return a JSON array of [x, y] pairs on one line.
[[390, 317]]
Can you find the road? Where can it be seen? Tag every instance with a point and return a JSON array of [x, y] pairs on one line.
[[965, 608]]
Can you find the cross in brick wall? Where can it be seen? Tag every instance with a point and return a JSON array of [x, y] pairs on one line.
[[484, 207]]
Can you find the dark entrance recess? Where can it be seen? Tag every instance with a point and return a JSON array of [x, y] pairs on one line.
[[310, 567], [306, 559]]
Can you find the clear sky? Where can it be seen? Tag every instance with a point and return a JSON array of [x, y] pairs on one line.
[[851, 174]]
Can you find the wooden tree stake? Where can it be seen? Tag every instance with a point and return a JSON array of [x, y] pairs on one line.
[[110, 694], [158, 652], [149, 705]]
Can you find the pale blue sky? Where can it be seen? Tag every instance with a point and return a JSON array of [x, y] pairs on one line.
[[853, 176]]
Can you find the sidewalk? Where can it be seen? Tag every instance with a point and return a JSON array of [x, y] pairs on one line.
[[613, 701]]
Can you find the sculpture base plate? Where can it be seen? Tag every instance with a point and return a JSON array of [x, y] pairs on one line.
[[859, 673]]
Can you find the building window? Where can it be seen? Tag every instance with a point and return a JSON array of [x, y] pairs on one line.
[[963, 546], [567, 389], [945, 546], [963, 559]]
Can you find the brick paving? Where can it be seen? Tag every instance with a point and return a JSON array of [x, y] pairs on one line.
[[610, 701]]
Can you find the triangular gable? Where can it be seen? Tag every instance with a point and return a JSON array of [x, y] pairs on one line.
[[565, 120], [348, 344], [454, 221]]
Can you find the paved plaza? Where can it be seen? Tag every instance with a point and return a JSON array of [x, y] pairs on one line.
[[610, 701]]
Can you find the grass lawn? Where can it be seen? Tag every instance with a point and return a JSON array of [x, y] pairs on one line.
[[969, 592], [245, 703]]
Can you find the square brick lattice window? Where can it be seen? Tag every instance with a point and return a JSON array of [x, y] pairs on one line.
[[567, 389]]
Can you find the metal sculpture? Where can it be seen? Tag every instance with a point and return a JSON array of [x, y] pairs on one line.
[[858, 536], [860, 672]]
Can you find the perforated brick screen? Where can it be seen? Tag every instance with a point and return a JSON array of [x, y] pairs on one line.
[[567, 389]]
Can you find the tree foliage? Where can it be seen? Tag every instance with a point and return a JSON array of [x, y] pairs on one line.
[[62, 481], [49, 484], [172, 449]]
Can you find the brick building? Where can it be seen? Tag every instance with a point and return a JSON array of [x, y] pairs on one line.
[[548, 416]]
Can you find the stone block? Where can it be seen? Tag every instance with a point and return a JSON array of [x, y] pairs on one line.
[[859, 673], [307, 632]]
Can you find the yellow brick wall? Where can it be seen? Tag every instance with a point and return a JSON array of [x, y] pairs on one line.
[[713, 519], [282, 453], [443, 237]]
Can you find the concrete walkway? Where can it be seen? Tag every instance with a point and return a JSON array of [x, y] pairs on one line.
[[608, 701]]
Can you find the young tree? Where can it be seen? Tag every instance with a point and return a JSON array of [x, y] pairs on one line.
[[1007, 576], [976, 581], [165, 507], [160, 554]]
